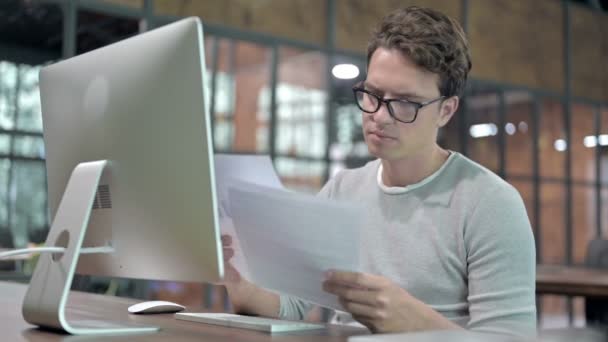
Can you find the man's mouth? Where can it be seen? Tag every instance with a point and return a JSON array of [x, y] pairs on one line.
[[380, 135]]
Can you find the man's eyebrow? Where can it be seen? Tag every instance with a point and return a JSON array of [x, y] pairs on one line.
[[409, 96], [406, 95]]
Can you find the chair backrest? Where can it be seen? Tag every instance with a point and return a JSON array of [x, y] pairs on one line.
[[596, 309], [6, 241], [597, 253], [6, 238]]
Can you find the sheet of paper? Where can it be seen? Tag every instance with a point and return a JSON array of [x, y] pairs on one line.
[[290, 239], [229, 168], [257, 169], [433, 336]]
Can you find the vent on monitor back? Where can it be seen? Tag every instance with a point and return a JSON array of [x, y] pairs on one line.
[[95, 203], [103, 200]]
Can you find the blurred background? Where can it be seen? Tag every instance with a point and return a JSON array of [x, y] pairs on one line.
[[535, 110]]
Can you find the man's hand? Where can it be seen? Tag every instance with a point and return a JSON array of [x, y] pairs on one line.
[[239, 289], [246, 297], [231, 274], [382, 305]]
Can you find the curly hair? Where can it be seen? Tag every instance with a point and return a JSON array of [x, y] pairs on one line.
[[431, 39]]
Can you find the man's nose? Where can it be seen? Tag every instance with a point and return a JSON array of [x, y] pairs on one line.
[[383, 116]]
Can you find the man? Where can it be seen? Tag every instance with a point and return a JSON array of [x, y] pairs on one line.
[[447, 244]]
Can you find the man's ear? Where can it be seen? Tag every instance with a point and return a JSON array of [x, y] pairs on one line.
[[447, 110]]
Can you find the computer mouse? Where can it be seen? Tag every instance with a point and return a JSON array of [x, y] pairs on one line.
[[155, 307]]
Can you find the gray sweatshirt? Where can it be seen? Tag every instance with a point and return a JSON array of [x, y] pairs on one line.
[[459, 240]]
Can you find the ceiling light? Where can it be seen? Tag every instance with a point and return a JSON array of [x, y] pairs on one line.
[[483, 130], [345, 71]]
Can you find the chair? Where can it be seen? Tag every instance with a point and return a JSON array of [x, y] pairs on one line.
[[596, 308], [6, 241]]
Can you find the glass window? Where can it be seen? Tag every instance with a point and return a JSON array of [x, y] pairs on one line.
[[604, 173], [448, 136], [242, 98], [518, 134], [5, 144], [301, 103], [603, 148], [584, 213], [482, 118], [8, 85], [604, 211], [347, 145], [552, 140], [526, 191], [5, 169], [349, 149], [28, 146], [252, 76], [301, 127], [553, 229], [584, 142], [224, 88], [299, 174], [29, 117], [223, 97], [28, 201]]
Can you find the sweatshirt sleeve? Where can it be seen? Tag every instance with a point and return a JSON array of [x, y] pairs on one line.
[[501, 261]]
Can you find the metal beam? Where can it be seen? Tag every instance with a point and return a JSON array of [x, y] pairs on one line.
[[69, 28], [20, 133], [11, 145], [597, 116], [272, 128], [567, 115], [464, 15], [27, 55], [112, 9], [147, 22], [567, 104], [214, 65], [463, 124], [536, 205], [13, 157], [330, 107], [502, 145]]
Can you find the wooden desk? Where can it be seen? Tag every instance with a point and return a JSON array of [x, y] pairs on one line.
[[81, 305], [571, 281]]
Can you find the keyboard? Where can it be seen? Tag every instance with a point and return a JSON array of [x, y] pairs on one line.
[[248, 322]]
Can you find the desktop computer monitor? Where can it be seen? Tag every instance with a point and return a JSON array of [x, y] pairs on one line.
[[141, 106]]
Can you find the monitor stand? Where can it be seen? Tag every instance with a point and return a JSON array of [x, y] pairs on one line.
[[45, 301]]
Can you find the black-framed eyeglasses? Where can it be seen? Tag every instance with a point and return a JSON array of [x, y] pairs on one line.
[[401, 110]]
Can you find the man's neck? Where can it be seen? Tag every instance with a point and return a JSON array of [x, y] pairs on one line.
[[413, 169]]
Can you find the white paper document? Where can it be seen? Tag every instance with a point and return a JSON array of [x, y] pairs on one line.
[[289, 240], [436, 335], [229, 168]]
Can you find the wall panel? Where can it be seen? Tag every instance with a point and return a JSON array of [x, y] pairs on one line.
[[303, 20], [357, 18], [518, 42]]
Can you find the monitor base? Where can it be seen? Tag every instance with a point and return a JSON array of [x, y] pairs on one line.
[[45, 301]]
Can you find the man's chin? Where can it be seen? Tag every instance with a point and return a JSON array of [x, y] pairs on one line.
[[386, 154], [379, 152]]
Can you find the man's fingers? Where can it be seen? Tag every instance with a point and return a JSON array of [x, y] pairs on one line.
[[226, 240], [228, 253], [355, 279], [367, 297], [362, 310], [231, 273], [366, 321]]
